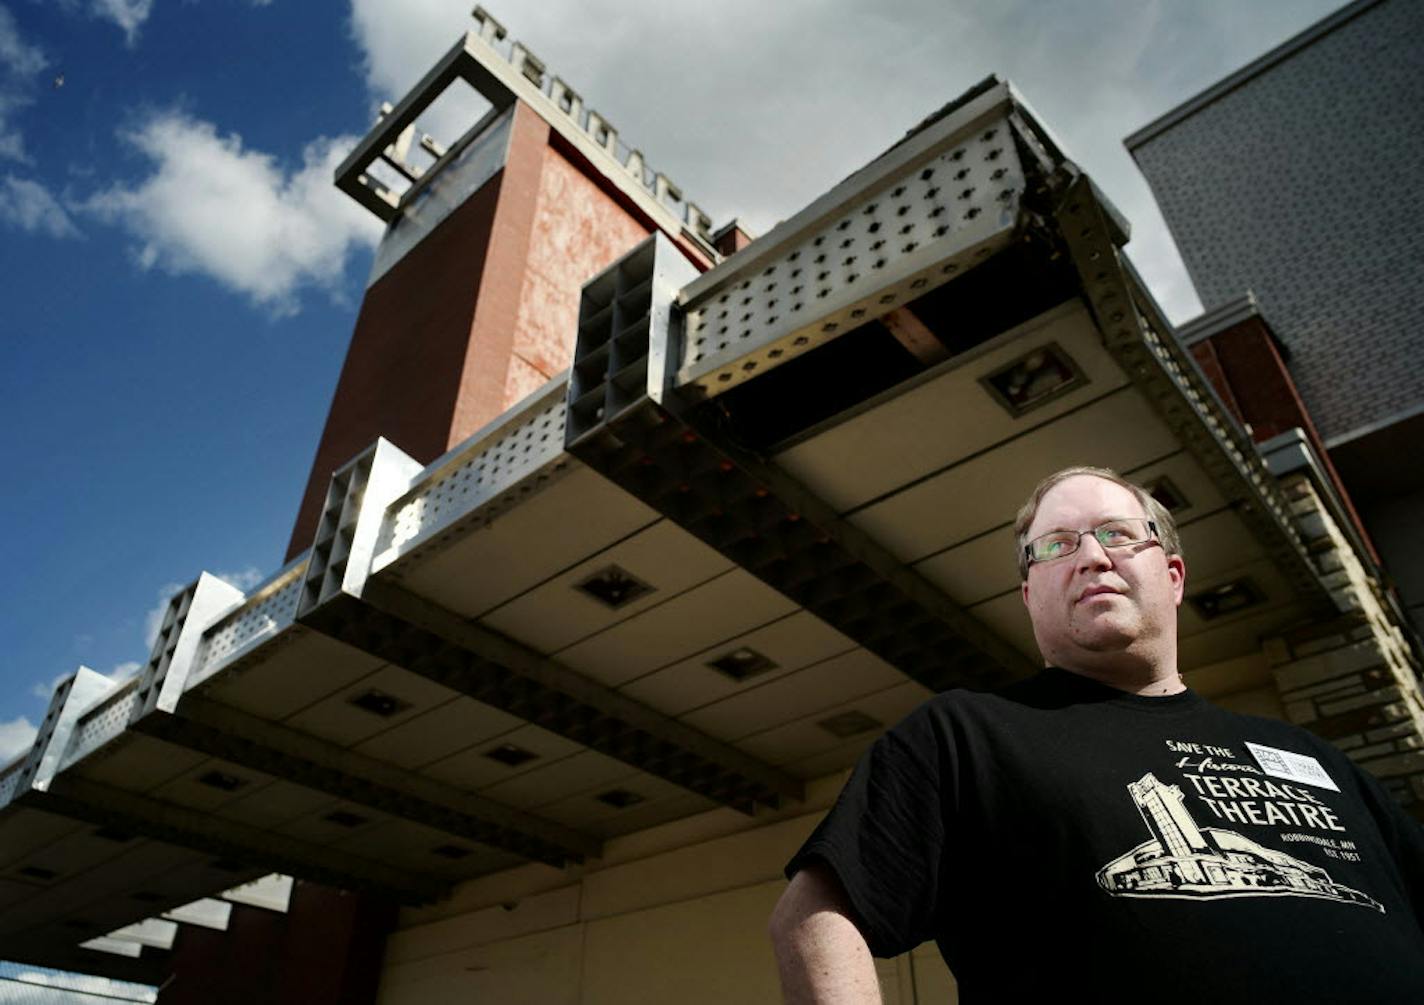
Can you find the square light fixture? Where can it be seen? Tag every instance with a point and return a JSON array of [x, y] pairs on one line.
[[379, 703], [37, 872], [1034, 379], [343, 818], [613, 587], [1219, 601], [619, 798], [741, 663], [1165, 491], [848, 724], [222, 780], [113, 834], [509, 754]]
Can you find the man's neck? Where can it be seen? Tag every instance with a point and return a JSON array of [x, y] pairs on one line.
[[1150, 682]]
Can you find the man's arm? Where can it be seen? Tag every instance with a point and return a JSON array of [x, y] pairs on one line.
[[820, 953]]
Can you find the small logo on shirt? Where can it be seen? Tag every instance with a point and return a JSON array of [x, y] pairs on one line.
[[1291, 766]]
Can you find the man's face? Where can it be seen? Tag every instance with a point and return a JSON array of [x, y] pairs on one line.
[[1100, 605]]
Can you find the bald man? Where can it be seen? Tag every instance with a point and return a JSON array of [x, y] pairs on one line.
[[1100, 831]]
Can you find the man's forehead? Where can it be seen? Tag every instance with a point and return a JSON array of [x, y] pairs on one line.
[[1084, 497]]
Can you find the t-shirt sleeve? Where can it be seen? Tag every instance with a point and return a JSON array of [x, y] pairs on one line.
[[1403, 835], [885, 837]]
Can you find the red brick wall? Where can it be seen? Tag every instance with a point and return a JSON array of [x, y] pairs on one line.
[[480, 313]]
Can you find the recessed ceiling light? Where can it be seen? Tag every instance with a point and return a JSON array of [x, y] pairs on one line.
[[379, 703], [345, 819], [613, 587], [1165, 491], [508, 753], [619, 798], [1033, 379], [227, 865], [741, 663], [1226, 599], [222, 780], [848, 724], [452, 851], [36, 872], [113, 834]]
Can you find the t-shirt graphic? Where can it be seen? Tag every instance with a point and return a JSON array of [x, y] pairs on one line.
[[1187, 862]]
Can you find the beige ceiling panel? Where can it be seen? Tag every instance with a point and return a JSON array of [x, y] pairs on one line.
[[1193, 485], [409, 845], [139, 764], [338, 720], [579, 772], [1262, 574], [470, 769], [646, 815], [189, 789], [728, 606], [23, 830], [13, 892], [318, 828], [792, 642], [586, 812], [438, 733], [1007, 616], [274, 805], [796, 741], [825, 685], [835, 761], [292, 676], [976, 570], [946, 419], [79, 850], [555, 614], [1215, 545], [1242, 635], [1121, 431], [551, 530]]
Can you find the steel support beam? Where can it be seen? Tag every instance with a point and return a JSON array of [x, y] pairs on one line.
[[233, 735], [422, 637]]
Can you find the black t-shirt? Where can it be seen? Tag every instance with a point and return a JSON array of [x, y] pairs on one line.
[[1062, 837]]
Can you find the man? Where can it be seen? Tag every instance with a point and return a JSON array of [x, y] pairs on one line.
[[1099, 831]]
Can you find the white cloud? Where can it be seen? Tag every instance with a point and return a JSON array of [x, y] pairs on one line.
[[211, 207], [20, 62], [129, 15], [27, 205], [16, 736]]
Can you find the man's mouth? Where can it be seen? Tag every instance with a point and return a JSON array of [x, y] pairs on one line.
[[1098, 591]]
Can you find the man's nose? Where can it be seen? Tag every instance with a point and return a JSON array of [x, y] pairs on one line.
[[1092, 554]]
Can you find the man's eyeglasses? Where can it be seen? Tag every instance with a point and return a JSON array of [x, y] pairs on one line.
[[1112, 534]]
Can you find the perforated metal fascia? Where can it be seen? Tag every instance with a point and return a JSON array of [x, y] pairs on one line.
[[9, 782], [270, 609], [101, 725], [901, 236], [346, 536], [1133, 330], [500, 466]]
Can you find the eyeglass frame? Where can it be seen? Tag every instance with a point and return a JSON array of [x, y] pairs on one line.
[[1154, 537]]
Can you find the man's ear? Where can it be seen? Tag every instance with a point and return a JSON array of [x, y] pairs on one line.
[[1177, 572], [1023, 591]]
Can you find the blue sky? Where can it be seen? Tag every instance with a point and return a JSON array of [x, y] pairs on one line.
[[181, 277]]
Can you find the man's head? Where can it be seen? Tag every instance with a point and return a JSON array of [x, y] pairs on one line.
[[1101, 608]]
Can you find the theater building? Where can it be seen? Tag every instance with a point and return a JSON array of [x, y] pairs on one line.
[[626, 536]]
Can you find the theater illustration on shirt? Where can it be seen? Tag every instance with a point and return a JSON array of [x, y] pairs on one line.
[[1185, 861]]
